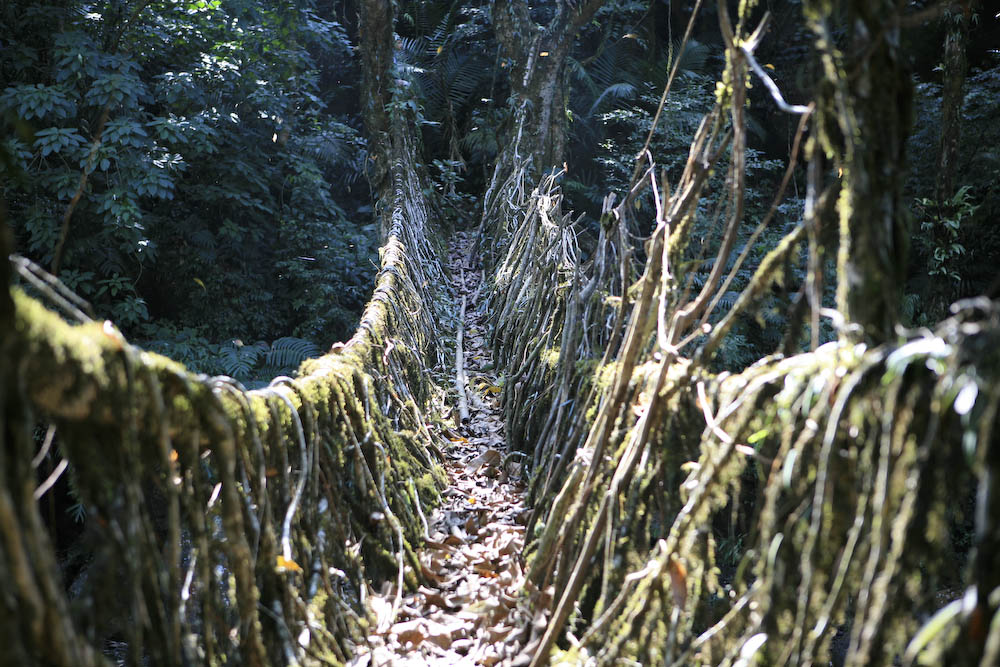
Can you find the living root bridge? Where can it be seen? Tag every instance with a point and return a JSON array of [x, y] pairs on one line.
[[227, 526], [806, 509], [840, 504]]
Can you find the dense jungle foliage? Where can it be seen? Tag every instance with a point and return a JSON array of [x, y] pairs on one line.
[[199, 173], [194, 169]]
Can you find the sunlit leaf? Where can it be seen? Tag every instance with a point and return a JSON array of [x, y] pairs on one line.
[[287, 564]]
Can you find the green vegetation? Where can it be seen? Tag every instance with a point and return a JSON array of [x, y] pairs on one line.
[[193, 169]]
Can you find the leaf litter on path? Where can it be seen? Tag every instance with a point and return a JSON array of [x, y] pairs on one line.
[[467, 610]]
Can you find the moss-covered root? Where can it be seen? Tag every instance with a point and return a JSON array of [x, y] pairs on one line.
[[869, 466]]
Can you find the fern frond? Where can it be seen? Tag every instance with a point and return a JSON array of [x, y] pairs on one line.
[[581, 75], [289, 352], [695, 57], [616, 91]]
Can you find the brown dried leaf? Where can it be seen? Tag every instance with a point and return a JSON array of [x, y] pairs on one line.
[[462, 646], [507, 544], [441, 634], [435, 598], [490, 457], [498, 633], [409, 632], [431, 575], [490, 660], [438, 544], [678, 580]]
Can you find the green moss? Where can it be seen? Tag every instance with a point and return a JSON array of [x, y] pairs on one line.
[[429, 486], [550, 358]]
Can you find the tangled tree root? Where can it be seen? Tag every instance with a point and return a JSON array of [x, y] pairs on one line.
[[689, 518]]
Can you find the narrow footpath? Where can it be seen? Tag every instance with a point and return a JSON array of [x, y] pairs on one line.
[[466, 613]]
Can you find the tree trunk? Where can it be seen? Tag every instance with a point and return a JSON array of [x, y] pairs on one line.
[[376, 46], [955, 42], [537, 60], [867, 97]]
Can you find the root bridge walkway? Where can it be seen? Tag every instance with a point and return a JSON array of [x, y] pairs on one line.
[[467, 610]]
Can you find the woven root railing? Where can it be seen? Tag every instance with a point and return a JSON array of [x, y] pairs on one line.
[[852, 475], [838, 504], [223, 526]]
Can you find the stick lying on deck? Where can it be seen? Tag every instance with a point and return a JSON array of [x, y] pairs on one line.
[[463, 400]]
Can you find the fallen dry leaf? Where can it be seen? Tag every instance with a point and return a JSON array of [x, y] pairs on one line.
[[409, 632], [287, 565], [437, 599]]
